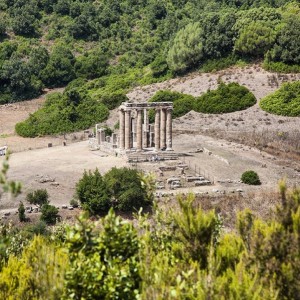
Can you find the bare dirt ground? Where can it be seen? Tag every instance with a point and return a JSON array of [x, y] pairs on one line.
[[56, 169], [236, 142]]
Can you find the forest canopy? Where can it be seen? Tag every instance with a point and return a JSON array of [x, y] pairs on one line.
[[50, 43]]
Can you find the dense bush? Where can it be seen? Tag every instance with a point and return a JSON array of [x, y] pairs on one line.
[[92, 194], [119, 188], [21, 212], [225, 99], [61, 113], [113, 100], [182, 103], [250, 177], [112, 254], [285, 101], [38, 197], [49, 214]]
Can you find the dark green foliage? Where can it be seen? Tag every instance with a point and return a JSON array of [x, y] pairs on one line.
[[3, 25], [60, 68], [287, 46], [91, 66], [38, 197], [225, 99], [61, 113], [183, 103], [187, 48], [285, 101], [112, 254], [119, 188], [250, 177], [92, 194], [21, 212], [113, 100], [156, 39], [49, 214], [25, 15], [213, 65], [125, 189]]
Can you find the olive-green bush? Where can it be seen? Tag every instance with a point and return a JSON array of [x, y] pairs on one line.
[[250, 177], [226, 98], [182, 103], [285, 101]]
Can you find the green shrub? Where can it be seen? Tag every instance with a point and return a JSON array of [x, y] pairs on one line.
[[49, 214], [92, 194], [250, 177], [225, 99], [72, 111], [103, 264], [285, 101], [212, 65], [113, 100], [38, 197], [119, 188], [21, 211], [182, 103]]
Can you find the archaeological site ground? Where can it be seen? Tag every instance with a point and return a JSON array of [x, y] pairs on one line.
[[209, 152]]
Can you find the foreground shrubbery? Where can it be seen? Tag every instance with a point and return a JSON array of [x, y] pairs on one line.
[[62, 113], [178, 254], [226, 98], [285, 101]]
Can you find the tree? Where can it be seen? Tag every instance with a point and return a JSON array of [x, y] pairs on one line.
[[287, 46], [38, 197], [124, 186], [60, 68], [91, 192], [49, 214], [255, 39], [21, 211], [187, 48]]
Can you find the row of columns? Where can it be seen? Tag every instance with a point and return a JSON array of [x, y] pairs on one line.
[[162, 129]]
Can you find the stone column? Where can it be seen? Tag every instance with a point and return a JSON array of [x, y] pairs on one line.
[[157, 129], [127, 129], [121, 129], [163, 128], [146, 129], [139, 130], [169, 129]]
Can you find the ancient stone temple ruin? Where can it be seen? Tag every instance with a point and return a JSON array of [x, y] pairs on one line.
[[137, 138], [135, 132]]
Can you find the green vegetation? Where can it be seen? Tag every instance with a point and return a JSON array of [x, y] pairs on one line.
[[225, 99], [180, 253], [49, 214], [182, 103], [73, 110], [21, 212], [50, 43], [250, 177], [285, 101], [123, 189], [38, 197]]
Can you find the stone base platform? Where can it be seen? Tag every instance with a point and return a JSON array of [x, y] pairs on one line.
[[147, 156]]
